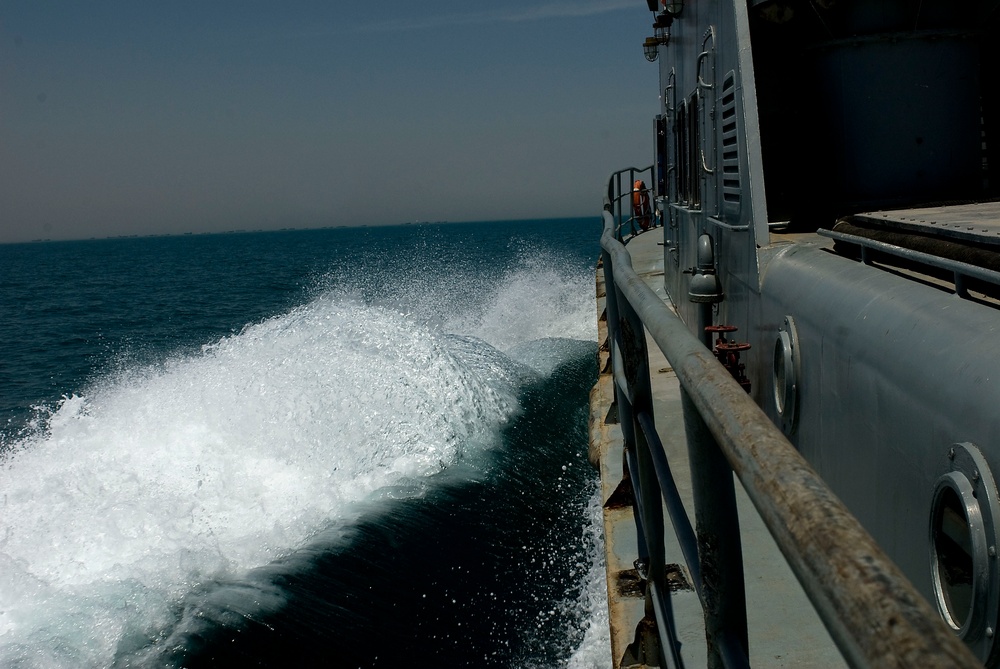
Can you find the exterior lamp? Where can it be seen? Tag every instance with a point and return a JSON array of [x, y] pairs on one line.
[[673, 7], [661, 28], [650, 49]]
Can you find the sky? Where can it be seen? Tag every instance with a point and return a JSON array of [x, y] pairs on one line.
[[137, 118]]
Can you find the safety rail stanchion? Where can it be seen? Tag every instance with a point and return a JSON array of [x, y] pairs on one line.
[[632, 374], [618, 201], [622, 402], [686, 538], [633, 396], [732, 648], [685, 535], [720, 553], [624, 399]]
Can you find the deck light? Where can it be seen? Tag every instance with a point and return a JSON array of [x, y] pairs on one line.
[[661, 28], [661, 36], [650, 49], [673, 7]]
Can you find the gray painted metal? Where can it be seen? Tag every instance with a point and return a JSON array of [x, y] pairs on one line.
[[893, 371], [720, 555], [874, 614], [971, 483], [960, 270], [803, 112], [975, 222]]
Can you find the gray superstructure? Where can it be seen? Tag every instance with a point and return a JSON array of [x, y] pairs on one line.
[[825, 174]]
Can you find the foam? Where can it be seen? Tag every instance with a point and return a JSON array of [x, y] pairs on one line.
[[536, 301], [205, 467], [150, 483], [592, 605]]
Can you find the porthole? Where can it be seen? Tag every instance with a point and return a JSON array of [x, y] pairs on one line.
[[783, 383], [785, 375], [957, 536], [963, 547]]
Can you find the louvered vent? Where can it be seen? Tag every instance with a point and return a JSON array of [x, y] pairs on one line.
[[730, 146]]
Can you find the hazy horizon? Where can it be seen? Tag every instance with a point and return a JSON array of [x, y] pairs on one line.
[[360, 226]]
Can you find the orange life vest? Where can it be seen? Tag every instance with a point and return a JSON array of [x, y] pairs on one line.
[[640, 204]]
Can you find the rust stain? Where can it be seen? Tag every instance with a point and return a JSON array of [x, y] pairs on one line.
[[630, 584]]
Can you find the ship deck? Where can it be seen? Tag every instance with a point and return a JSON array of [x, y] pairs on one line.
[[784, 629], [977, 222]]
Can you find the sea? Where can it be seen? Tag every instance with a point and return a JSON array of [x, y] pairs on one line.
[[347, 447]]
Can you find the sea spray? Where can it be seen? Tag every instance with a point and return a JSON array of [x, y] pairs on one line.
[[210, 465], [180, 483], [592, 650]]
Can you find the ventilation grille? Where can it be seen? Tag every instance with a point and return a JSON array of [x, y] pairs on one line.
[[731, 189]]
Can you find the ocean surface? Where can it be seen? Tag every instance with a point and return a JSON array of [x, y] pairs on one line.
[[351, 447]]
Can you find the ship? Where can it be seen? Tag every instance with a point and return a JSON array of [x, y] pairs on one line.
[[810, 306]]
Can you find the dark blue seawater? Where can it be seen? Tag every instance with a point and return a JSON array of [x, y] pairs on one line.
[[344, 448]]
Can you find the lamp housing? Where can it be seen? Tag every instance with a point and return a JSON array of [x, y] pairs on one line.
[[661, 28], [673, 7], [650, 49]]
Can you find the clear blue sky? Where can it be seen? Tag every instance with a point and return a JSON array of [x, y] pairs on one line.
[[124, 118]]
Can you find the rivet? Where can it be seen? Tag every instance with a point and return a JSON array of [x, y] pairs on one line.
[[989, 632], [975, 476], [951, 453], [993, 551]]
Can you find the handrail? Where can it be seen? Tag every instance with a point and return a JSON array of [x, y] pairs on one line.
[[617, 194], [873, 613], [959, 270]]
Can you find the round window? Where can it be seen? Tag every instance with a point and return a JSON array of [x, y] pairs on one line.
[[953, 550], [782, 365], [785, 376], [965, 575]]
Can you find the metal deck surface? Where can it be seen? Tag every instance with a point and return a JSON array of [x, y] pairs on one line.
[[784, 629], [977, 222]]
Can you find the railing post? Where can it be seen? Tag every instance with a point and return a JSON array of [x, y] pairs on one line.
[[634, 362], [617, 204], [633, 395], [635, 368], [720, 553], [622, 401], [631, 369], [717, 523]]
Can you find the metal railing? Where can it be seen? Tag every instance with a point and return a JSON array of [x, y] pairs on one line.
[[873, 613], [960, 271], [620, 199]]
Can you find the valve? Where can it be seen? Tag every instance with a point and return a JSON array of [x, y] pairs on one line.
[[728, 353]]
